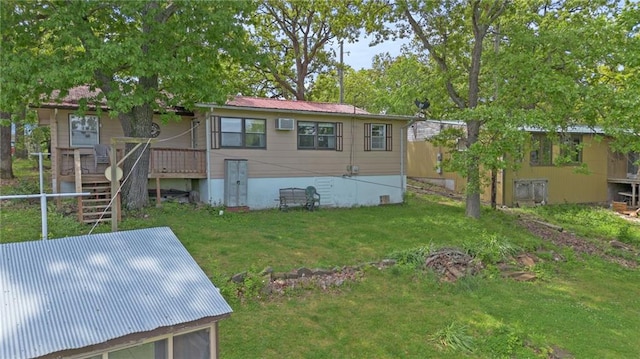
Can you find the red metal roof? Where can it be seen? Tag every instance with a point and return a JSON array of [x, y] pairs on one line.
[[72, 99], [268, 103]]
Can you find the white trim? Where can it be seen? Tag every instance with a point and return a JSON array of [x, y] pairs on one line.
[[87, 132]]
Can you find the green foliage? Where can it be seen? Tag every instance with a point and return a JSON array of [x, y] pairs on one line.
[[503, 342], [453, 337], [603, 223], [490, 248], [414, 258], [583, 296]]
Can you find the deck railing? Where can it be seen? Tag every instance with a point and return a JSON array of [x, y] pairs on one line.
[[163, 162], [171, 161]]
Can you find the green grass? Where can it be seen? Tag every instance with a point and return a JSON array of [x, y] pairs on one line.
[[585, 305]]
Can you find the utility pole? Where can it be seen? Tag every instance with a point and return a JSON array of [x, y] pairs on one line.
[[341, 71]]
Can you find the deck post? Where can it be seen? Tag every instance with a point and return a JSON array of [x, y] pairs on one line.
[[158, 192], [77, 169], [115, 203]]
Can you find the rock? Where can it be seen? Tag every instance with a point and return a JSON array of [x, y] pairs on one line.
[[291, 275], [304, 272], [322, 272], [521, 276], [387, 263], [617, 244], [266, 271], [238, 277], [526, 260]]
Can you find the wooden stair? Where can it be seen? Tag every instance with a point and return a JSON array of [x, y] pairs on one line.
[[94, 208]]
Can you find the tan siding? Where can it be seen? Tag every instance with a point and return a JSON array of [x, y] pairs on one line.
[[110, 127], [422, 161], [565, 184], [282, 158]]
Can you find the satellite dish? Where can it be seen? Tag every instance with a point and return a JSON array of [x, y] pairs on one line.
[[107, 173]]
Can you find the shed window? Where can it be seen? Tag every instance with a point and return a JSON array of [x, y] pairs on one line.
[[152, 350], [191, 345], [541, 150], [571, 149]]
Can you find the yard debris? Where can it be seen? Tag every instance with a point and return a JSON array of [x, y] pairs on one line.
[[452, 264]]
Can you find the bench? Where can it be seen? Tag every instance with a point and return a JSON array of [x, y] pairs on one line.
[[299, 197]]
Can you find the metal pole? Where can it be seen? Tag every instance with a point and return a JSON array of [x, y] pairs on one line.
[[43, 201]]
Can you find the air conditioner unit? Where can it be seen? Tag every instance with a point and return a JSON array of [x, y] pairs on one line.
[[285, 124]]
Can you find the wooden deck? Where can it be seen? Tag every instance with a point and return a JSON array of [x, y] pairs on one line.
[[163, 163]]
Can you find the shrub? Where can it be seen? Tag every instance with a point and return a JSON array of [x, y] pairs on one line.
[[453, 337], [491, 248]]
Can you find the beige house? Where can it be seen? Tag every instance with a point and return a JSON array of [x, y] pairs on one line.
[[241, 153], [610, 176]]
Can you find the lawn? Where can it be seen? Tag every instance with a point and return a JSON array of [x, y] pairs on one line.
[[582, 304]]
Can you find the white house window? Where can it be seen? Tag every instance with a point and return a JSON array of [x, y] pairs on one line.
[[242, 132], [377, 137], [84, 131], [319, 136]]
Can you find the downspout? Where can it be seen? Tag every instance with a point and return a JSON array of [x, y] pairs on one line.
[[403, 137], [207, 136]]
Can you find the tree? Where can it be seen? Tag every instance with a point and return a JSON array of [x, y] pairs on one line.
[[144, 56], [506, 64], [6, 169], [390, 86], [453, 34], [294, 38]]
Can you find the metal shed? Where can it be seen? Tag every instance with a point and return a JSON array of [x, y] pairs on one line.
[[130, 294]]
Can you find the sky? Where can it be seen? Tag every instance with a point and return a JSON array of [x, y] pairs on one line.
[[359, 55]]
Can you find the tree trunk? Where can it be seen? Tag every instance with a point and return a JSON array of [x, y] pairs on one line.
[[473, 172], [137, 124], [494, 187], [6, 165]]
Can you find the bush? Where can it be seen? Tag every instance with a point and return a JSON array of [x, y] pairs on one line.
[[491, 248]]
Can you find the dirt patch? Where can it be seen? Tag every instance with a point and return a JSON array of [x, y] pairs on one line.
[[578, 244], [552, 233]]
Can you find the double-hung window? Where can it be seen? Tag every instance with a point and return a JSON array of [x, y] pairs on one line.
[[319, 136], [84, 131], [541, 150], [377, 137], [240, 133]]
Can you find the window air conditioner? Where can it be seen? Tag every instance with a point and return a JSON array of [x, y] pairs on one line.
[[285, 124]]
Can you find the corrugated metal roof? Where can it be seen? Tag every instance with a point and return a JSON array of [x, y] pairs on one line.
[[276, 104], [78, 291]]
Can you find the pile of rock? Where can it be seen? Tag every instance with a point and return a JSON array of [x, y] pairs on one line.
[[452, 264]]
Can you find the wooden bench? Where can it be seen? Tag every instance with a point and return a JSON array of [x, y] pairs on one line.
[[299, 197]]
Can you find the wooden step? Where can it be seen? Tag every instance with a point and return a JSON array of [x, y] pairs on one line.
[[95, 220]]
